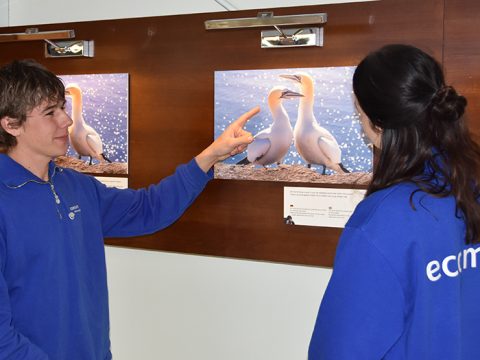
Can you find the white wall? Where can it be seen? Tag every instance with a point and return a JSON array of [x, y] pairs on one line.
[[3, 13], [176, 306]]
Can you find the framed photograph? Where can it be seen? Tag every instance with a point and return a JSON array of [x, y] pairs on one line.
[[98, 106], [308, 129]]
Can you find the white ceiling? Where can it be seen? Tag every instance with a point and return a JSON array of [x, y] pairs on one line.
[[22, 12], [257, 4]]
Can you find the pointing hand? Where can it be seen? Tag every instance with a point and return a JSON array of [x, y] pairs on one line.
[[232, 141]]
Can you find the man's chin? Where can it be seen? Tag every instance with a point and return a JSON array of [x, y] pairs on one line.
[[59, 154]]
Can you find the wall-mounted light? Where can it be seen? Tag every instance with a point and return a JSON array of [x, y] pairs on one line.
[[280, 37], [31, 34], [292, 37], [266, 19], [69, 48], [54, 49]]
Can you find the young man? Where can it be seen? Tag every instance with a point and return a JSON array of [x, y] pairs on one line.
[[53, 285]]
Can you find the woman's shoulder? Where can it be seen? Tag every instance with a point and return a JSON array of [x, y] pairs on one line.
[[383, 203], [400, 205]]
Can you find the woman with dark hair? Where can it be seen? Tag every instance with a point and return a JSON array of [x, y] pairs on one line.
[[405, 283]]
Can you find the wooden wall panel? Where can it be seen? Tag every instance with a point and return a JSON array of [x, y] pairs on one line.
[[462, 54], [171, 61]]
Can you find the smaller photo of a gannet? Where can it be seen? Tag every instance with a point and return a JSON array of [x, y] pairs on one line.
[[308, 129], [98, 136]]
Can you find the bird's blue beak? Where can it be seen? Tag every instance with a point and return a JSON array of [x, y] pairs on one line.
[[289, 94], [296, 78]]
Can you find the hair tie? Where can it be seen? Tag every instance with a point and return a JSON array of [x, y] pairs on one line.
[[447, 105], [440, 95]]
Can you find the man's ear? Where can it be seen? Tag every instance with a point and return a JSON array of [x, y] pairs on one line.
[[10, 125]]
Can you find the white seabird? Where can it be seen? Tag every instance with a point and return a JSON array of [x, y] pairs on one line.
[[314, 143], [272, 144], [83, 138]]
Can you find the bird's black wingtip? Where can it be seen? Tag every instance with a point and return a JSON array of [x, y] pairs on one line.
[[244, 161], [344, 168], [105, 158]]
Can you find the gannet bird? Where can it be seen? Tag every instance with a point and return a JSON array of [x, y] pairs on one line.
[[314, 143], [83, 138], [272, 144]]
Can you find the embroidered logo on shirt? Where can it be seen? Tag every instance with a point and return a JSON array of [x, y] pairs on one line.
[[75, 209]]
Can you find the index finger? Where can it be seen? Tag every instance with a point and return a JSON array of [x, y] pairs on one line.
[[242, 119]]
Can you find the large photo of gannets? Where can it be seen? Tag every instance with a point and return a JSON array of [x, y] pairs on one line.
[[98, 136], [308, 129]]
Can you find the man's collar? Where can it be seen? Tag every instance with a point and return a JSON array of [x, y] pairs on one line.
[[13, 174]]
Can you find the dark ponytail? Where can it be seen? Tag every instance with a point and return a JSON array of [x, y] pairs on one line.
[[447, 105], [424, 136]]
